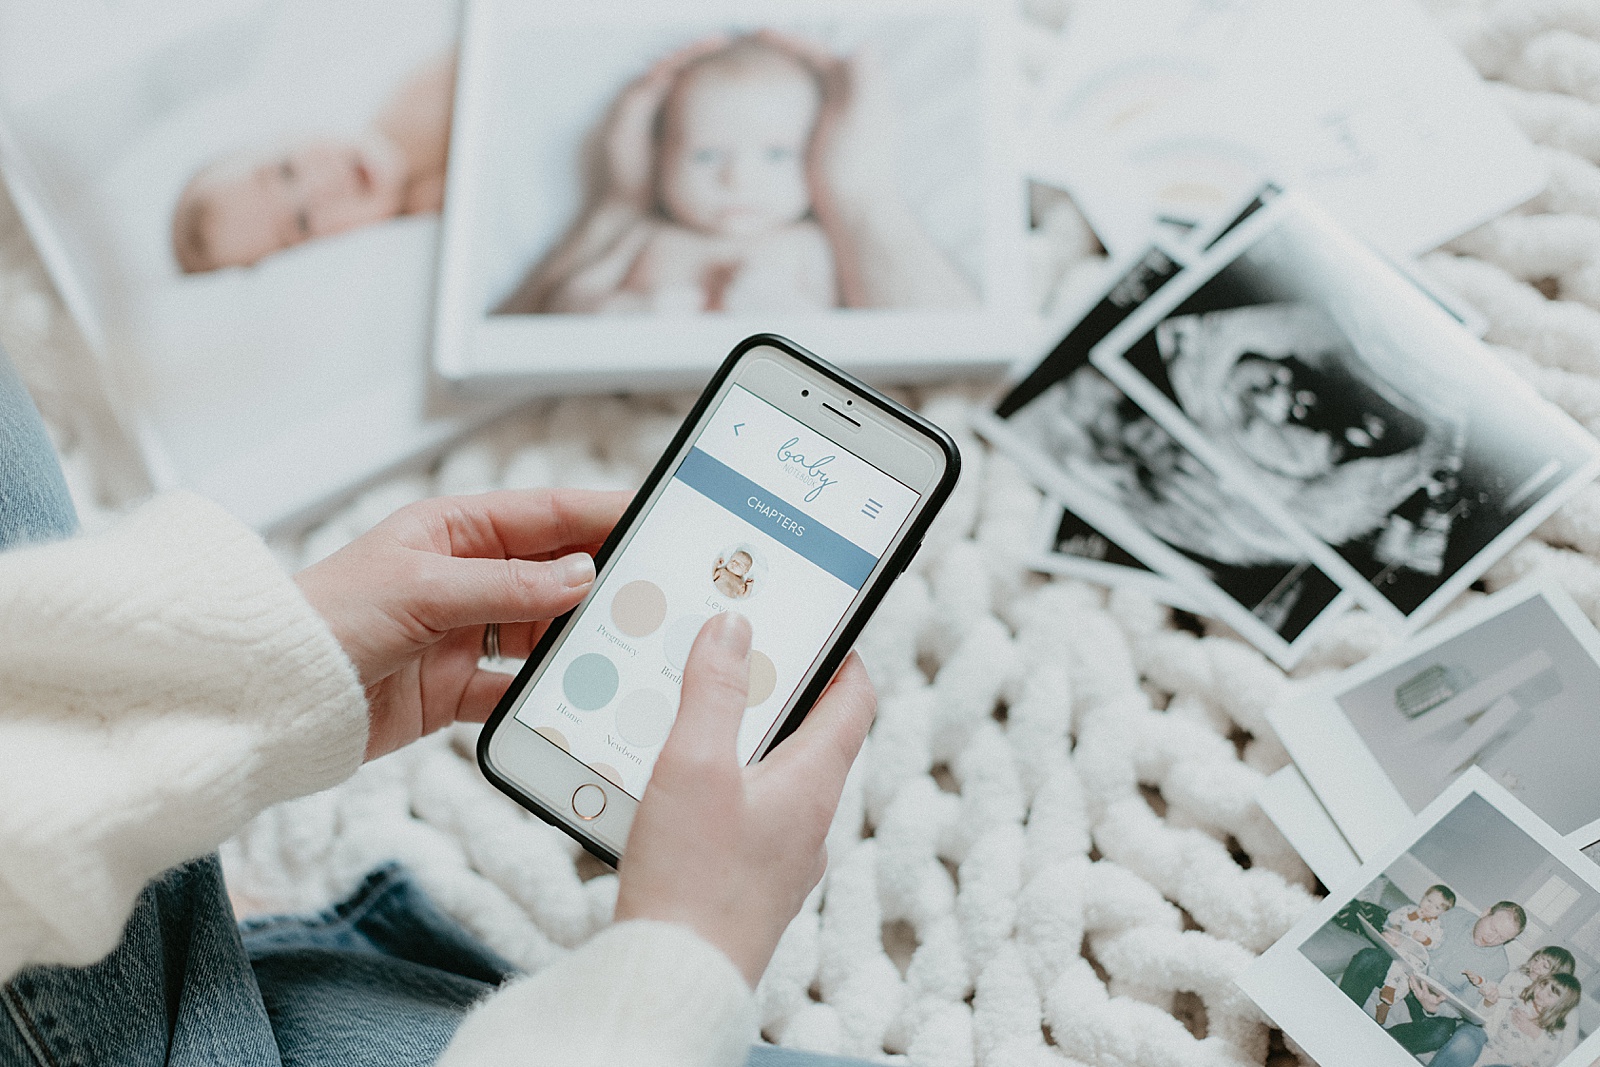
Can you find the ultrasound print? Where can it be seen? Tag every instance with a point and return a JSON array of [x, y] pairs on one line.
[[1075, 537], [1408, 450], [1102, 439]]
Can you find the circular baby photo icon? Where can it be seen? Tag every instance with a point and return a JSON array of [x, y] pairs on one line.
[[736, 572]]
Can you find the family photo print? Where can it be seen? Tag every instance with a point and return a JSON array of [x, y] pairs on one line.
[[1473, 940]]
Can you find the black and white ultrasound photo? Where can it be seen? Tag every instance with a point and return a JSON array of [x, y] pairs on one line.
[[1097, 436], [1327, 382]]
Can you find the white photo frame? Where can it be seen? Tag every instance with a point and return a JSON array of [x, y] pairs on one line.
[[1331, 600], [273, 388], [948, 67], [1304, 1000], [1506, 678], [1288, 800], [1472, 417]]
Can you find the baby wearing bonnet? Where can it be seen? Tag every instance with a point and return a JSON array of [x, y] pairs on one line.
[[732, 228]]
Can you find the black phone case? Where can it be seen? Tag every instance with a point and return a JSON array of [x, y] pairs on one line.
[[834, 656]]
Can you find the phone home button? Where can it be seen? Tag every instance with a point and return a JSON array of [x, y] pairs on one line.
[[588, 801]]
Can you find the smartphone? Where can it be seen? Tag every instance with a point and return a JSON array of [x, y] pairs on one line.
[[793, 494]]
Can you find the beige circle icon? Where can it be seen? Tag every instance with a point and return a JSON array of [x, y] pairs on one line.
[[763, 677], [609, 773], [554, 736], [638, 608]]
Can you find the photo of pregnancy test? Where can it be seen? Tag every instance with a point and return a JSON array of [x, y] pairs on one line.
[[1473, 937], [1506, 684]]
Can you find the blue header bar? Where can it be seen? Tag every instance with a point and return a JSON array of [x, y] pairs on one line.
[[721, 484]]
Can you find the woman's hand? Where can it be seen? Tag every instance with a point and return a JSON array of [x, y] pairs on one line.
[[409, 599], [727, 850]]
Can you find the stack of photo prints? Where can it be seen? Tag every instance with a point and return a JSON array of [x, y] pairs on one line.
[[1438, 792], [1270, 423], [308, 242], [1267, 423]]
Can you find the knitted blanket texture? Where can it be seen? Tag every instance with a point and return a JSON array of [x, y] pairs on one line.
[[1049, 851]]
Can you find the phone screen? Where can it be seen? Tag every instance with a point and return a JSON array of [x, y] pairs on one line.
[[764, 516]]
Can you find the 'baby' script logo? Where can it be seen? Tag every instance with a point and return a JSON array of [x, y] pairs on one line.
[[807, 471]]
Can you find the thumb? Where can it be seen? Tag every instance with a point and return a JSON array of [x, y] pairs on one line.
[[455, 592], [716, 681]]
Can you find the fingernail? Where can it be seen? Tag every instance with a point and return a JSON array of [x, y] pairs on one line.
[[575, 571], [731, 632]]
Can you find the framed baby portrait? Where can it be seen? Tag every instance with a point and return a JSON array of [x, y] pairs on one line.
[[238, 201], [635, 187]]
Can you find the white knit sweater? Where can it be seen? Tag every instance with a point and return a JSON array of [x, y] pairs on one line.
[[160, 684]]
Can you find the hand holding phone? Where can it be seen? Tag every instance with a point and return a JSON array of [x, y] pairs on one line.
[[793, 495], [732, 851]]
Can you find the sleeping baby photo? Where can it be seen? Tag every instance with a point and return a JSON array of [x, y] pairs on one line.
[[686, 167], [242, 206]]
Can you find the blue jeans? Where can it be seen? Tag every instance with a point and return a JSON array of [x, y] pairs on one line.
[[34, 505], [383, 977], [1457, 1041]]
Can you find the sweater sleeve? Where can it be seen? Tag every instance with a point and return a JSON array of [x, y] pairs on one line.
[[161, 682], [646, 994]]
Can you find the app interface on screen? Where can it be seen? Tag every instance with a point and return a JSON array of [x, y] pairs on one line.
[[766, 517]]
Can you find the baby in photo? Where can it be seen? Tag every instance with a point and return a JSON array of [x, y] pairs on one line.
[[731, 574], [249, 204], [1412, 932], [732, 228]]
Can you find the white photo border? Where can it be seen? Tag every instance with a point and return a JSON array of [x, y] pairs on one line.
[[1337, 763], [1108, 357], [557, 353], [1153, 584], [1295, 809], [1311, 1009]]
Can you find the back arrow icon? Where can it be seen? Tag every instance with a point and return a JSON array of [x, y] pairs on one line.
[[736, 428]]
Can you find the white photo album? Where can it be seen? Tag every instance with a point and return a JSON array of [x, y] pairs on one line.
[[635, 188], [1488, 946], [238, 201]]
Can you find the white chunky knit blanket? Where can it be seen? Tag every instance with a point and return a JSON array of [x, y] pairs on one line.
[[1049, 852]]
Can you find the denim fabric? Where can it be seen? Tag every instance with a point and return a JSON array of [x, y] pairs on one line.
[[1463, 1049], [177, 990], [34, 504], [382, 978]]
